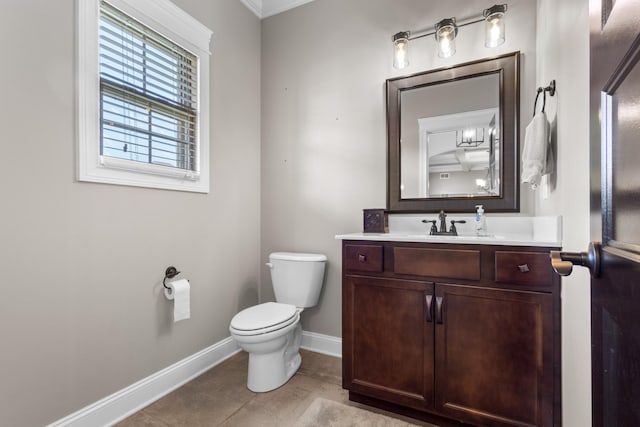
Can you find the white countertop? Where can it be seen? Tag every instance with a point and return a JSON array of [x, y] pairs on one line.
[[508, 231]]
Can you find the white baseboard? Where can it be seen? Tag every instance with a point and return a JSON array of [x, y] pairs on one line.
[[320, 343], [133, 398]]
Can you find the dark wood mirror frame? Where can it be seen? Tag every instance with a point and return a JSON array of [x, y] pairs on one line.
[[508, 69]]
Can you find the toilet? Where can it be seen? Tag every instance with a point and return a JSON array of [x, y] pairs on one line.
[[271, 332]]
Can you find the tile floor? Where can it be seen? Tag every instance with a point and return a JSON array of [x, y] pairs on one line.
[[219, 397]]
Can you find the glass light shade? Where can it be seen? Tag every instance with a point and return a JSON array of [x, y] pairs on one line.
[[401, 50], [446, 31], [494, 34]]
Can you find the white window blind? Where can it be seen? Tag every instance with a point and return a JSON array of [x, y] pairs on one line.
[[148, 95]]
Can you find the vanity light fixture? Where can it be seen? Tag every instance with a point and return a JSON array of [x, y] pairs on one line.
[[446, 31], [494, 25], [401, 50]]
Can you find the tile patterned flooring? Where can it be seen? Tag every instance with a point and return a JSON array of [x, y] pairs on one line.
[[219, 397]]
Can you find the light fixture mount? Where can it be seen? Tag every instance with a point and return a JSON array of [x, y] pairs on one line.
[[447, 22], [496, 8], [402, 35]]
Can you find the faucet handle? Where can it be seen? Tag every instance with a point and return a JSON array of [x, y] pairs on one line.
[[434, 229], [453, 228]]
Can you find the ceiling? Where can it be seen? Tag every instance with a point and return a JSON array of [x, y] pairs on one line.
[[266, 8]]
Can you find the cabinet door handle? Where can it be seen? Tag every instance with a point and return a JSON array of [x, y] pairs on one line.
[[362, 258], [439, 310], [524, 268], [429, 300]]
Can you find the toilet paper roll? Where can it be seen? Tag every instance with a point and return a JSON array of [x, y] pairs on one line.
[[179, 291]]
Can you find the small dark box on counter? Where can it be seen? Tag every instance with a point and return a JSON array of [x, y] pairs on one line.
[[375, 221]]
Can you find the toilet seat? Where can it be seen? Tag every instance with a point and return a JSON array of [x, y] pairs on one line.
[[264, 318]]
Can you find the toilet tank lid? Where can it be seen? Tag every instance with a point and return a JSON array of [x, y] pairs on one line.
[[297, 256]]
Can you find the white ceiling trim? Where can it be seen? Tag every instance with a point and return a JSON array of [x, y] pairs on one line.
[[254, 6], [266, 8]]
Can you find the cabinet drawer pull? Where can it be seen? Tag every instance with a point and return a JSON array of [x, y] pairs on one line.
[[429, 301], [524, 268], [439, 310], [362, 258]]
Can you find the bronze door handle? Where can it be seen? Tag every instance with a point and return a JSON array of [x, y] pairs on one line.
[[563, 262]]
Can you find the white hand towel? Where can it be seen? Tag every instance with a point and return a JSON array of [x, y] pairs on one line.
[[537, 158]]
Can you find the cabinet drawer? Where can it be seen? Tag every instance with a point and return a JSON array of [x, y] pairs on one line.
[[526, 268], [445, 263], [363, 257]]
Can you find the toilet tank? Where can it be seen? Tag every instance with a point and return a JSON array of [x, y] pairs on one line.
[[297, 277]]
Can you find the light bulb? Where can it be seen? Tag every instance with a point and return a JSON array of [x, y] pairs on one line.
[[446, 49], [468, 134]]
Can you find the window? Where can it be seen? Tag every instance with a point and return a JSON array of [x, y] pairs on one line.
[[143, 95], [148, 86]]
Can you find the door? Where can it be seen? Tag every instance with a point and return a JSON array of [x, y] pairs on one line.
[[615, 209]]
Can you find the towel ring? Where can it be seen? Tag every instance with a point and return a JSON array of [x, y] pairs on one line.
[[552, 91], [169, 273]]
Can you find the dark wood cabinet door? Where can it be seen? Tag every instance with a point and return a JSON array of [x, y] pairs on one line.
[[388, 339], [494, 356]]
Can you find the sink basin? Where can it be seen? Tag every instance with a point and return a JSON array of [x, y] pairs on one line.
[[488, 237], [427, 237]]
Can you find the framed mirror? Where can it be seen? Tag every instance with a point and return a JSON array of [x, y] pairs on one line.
[[453, 137]]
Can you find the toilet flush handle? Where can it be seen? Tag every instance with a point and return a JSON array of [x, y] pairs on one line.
[[268, 264]]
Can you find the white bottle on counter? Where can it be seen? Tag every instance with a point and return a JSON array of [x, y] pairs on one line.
[[481, 221]]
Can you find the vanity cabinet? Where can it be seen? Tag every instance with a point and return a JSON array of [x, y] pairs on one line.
[[465, 332]]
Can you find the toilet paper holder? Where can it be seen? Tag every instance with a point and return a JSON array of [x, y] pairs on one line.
[[169, 273]]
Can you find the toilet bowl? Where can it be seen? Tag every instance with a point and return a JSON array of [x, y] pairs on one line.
[[271, 332], [273, 345]]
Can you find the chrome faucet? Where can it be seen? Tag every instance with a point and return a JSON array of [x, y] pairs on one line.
[[442, 217]]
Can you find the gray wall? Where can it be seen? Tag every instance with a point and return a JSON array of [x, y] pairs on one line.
[[457, 183], [563, 55], [81, 308], [323, 117]]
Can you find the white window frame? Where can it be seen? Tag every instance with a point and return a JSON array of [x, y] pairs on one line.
[[173, 23]]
